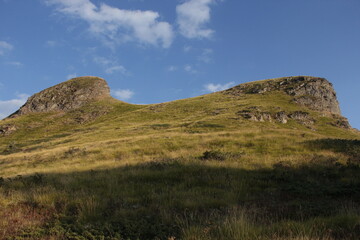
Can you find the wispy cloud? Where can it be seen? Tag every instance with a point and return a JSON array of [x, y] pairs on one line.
[[190, 69], [5, 47], [110, 66], [51, 43], [116, 25], [192, 17], [172, 68], [122, 94], [72, 75], [102, 61], [15, 64], [118, 68], [211, 87], [206, 56], [187, 48], [8, 107]]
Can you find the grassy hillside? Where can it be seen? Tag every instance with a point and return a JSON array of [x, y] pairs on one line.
[[188, 169]]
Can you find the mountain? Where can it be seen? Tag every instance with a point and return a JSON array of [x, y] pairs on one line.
[[271, 159]]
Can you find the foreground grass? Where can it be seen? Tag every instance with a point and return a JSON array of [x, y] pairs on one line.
[[186, 200]]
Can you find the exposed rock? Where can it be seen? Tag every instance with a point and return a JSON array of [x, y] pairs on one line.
[[281, 117], [83, 117], [341, 122], [254, 114], [315, 93], [66, 96], [302, 117], [7, 129]]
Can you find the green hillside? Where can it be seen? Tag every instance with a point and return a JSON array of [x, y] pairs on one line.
[[245, 163]]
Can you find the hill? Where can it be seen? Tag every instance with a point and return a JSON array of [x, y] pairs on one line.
[[271, 159]]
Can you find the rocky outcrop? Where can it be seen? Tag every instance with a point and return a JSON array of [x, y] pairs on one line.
[[341, 122], [302, 117], [315, 93], [256, 115], [281, 117], [66, 96], [7, 129]]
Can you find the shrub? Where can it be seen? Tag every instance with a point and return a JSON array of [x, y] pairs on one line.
[[213, 155]]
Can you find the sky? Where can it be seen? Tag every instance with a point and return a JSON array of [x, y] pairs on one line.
[[153, 51]]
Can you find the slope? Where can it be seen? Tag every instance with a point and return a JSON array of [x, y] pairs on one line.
[[200, 168]]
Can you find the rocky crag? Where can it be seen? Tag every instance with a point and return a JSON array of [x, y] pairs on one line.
[[316, 93], [312, 92], [66, 96]]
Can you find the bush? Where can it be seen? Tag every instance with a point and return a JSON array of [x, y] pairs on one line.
[[213, 155]]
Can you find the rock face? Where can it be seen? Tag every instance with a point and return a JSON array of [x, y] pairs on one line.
[[66, 96], [256, 115], [315, 93]]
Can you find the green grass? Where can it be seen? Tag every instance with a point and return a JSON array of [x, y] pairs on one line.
[[188, 169]]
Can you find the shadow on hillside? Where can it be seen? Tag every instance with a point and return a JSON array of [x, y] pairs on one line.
[[160, 199], [350, 148]]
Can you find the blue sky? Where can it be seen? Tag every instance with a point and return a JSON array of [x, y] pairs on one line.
[[153, 51]]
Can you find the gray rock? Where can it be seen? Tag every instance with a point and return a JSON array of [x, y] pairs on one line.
[[281, 117], [302, 117], [66, 96], [341, 122], [315, 93]]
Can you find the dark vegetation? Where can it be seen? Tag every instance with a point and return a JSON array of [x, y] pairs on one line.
[[172, 198]]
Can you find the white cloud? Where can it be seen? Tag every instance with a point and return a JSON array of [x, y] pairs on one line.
[[118, 68], [211, 87], [189, 69], [8, 107], [51, 43], [192, 16], [206, 55], [72, 75], [187, 48], [110, 66], [16, 64], [122, 94], [172, 68], [102, 61], [116, 25], [5, 47]]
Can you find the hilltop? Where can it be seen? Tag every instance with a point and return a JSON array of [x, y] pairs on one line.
[[84, 99], [271, 159], [66, 96]]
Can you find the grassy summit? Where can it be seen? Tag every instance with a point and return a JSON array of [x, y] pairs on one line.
[[265, 160]]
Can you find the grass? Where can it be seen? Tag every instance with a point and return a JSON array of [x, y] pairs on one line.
[[178, 197], [188, 169]]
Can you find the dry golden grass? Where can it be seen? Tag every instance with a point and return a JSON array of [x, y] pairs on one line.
[[189, 169]]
